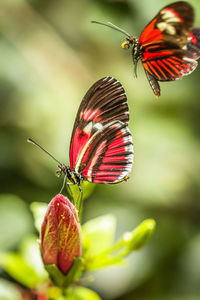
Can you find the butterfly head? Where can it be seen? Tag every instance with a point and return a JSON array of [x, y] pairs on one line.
[[62, 169], [130, 42]]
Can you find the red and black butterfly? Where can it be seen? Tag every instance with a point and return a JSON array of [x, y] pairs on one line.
[[168, 46], [101, 148]]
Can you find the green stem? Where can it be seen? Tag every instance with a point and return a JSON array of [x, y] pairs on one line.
[[119, 244], [80, 210]]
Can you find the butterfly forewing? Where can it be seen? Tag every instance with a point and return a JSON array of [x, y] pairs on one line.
[[109, 157], [104, 104], [171, 25]]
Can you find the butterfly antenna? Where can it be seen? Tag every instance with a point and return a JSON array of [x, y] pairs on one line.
[[113, 26], [29, 140]]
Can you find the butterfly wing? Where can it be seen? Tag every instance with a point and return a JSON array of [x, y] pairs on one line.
[[193, 45], [164, 43], [108, 157], [171, 67], [104, 102]]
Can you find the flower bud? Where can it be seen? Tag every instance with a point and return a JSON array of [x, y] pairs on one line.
[[60, 234], [140, 235]]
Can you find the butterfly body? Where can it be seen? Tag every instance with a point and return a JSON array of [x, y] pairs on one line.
[[137, 53], [72, 176]]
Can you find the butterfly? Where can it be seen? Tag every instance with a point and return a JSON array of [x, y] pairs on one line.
[[101, 147], [168, 46]]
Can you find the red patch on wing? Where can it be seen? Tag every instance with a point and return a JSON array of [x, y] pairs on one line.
[[79, 140], [91, 115], [150, 34], [192, 39], [147, 56]]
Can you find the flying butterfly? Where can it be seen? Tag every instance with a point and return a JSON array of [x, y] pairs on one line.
[[101, 148], [168, 46]]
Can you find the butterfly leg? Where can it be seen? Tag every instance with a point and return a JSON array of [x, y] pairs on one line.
[[71, 193], [68, 185], [63, 185], [81, 197]]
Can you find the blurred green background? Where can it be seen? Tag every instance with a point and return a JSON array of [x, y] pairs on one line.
[[50, 54]]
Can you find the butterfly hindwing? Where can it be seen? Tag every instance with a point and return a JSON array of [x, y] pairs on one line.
[[168, 68], [109, 156], [193, 45]]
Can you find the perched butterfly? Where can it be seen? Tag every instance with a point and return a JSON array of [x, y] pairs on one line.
[[101, 148], [168, 46]]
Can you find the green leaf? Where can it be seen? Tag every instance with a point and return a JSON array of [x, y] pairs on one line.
[[15, 221], [30, 251], [80, 293], [115, 253], [140, 235], [61, 280], [103, 261], [38, 209], [17, 268], [98, 234]]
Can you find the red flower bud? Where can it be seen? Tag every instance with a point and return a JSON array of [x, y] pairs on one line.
[[60, 234]]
